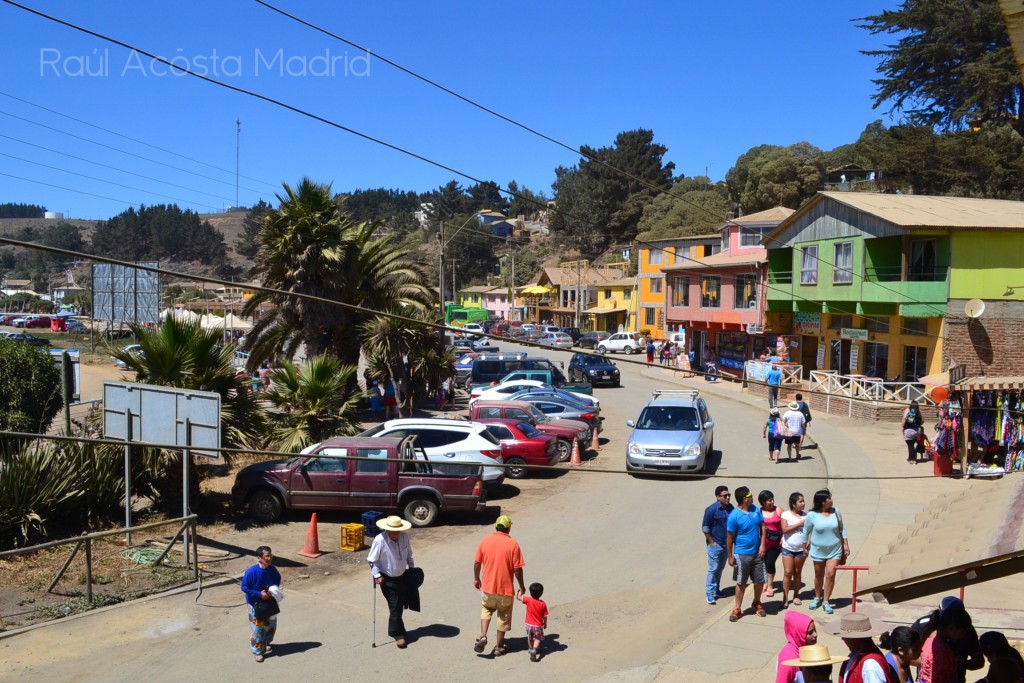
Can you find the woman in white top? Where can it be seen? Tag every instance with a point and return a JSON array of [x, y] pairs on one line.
[[793, 556]]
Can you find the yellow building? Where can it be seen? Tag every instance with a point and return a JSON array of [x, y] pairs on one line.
[[654, 256], [616, 305]]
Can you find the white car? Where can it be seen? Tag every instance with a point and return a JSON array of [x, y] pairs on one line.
[[449, 441], [505, 389], [134, 349], [624, 342], [558, 339]]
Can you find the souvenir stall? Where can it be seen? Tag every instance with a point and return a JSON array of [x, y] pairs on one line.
[[996, 423]]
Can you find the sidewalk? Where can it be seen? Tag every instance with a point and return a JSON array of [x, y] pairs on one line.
[[879, 492]]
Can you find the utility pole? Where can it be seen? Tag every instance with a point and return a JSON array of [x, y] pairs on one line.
[[579, 294], [238, 145], [440, 267], [455, 293]]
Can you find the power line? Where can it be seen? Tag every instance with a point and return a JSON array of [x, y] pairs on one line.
[[113, 168], [108, 182], [352, 131], [66, 189], [135, 140], [120, 151]]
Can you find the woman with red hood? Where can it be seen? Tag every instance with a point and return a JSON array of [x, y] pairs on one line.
[[800, 631]]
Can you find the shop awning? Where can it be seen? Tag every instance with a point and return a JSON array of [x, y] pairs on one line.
[[936, 379], [947, 579], [992, 383], [536, 289], [606, 311]]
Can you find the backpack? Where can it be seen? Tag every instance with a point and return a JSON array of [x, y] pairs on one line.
[[913, 420]]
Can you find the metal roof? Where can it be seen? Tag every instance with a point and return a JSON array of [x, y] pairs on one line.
[[920, 211]]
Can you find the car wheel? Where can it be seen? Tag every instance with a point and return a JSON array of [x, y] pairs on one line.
[[627, 349], [265, 506], [602, 349], [421, 512], [564, 450], [516, 468]]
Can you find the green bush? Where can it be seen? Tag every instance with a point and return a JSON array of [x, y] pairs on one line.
[[30, 386]]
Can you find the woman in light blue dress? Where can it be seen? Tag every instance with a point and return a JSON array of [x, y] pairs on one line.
[[826, 544]]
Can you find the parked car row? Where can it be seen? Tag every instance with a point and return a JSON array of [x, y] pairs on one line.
[[25, 337]]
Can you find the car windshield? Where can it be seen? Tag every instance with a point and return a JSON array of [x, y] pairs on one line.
[[372, 431], [592, 360], [669, 418], [537, 414]]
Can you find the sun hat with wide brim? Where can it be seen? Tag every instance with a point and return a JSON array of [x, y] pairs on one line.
[[814, 655], [793, 405], [854, 625], [393, 523]]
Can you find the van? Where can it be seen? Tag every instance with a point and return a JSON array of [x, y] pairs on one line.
[[677, 338], [492, 367]]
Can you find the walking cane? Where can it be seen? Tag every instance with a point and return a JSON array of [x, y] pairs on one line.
[[373, 643]]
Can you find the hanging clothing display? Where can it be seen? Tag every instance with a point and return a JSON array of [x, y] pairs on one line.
[[997, 426]]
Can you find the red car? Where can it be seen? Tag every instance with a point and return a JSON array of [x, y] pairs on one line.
[[522, 444], [521, 411], [42, 321]]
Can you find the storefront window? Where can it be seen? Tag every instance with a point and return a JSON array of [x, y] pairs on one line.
[[915, 363], [876, 360], [875, 324], [916, 326], [732, 350], [836, 322]]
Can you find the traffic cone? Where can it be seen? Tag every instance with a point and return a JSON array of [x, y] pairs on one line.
[[312, 547], [595, 443], [574, 459]]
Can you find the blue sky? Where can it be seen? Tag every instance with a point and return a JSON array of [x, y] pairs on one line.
[[711, 80]]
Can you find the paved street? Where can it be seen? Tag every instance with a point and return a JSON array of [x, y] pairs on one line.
[[621, 558]]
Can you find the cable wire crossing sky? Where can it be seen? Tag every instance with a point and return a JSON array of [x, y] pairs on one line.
[[710, 81]]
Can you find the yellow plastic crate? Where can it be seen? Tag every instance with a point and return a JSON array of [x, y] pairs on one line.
[[352, 536]]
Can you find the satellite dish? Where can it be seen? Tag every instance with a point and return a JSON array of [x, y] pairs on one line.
[[974, 308]]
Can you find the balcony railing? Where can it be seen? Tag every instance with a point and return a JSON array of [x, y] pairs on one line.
[[895, 273], [867, 388]]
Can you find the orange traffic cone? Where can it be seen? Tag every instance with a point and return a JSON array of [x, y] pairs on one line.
[[312, 547], [574, 459], [595, 444]]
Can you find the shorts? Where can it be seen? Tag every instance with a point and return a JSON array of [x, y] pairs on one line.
[[774, 444], [786, 552], [795, 439], [749, 568], [502, 604], [534, 632], [390, 401]]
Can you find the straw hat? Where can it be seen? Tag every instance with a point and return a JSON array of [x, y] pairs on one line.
[[854, 625], [814, 655], [393, 523]]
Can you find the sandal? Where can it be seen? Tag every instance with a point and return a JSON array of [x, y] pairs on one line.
[[769, 593], [735, 615], [499, 650], [480, 644], [796, 601], [759, 609]]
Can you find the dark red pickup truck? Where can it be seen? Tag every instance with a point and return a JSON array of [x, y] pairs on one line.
[[357, 473]]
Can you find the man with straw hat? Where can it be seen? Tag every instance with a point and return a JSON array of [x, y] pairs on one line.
[[815, 663], [867, 663], [390, 557]]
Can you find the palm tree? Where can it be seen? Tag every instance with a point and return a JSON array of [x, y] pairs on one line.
[[414, 352], [181, 354], [314, 400], [310, 245]]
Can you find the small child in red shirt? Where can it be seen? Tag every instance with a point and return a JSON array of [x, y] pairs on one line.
[[536, 619]]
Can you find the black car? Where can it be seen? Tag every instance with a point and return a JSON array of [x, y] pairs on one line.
[[573, 332], [29, 339], [590, 340], [593, 369]]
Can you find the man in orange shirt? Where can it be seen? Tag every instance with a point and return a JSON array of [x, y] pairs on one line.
[[500, 558]]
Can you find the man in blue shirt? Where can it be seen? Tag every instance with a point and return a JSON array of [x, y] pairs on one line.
[[715, 517], [745, 548], [774, 380]]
